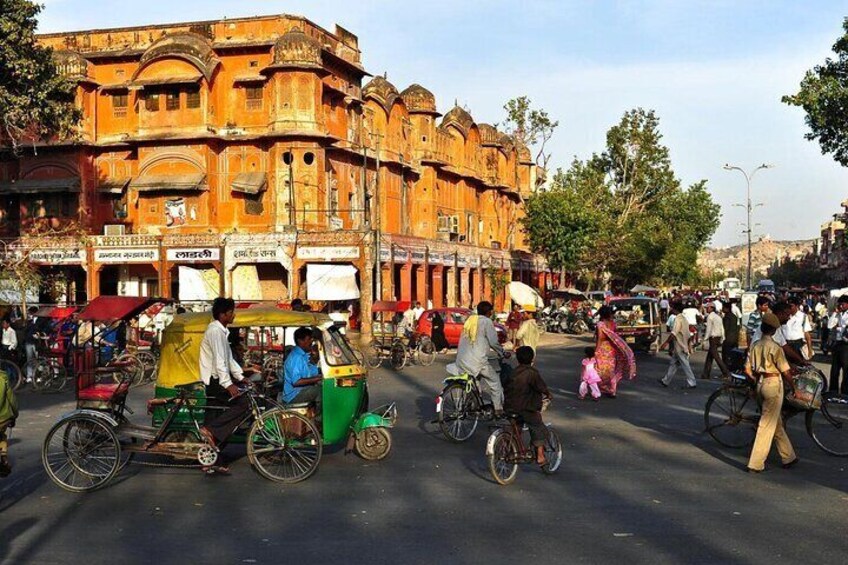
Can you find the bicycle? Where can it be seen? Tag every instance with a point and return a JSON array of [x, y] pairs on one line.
[[732, 414], [460, 407], [13, 372], [399, 354], [507, 447]]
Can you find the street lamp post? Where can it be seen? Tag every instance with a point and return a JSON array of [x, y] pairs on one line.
[[748, 206]]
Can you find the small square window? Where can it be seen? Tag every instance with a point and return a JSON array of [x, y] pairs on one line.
[[253, 97], [172, 100], [193, 98], [119, 101]]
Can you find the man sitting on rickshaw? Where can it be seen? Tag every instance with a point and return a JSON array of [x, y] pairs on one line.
[[301, 378]]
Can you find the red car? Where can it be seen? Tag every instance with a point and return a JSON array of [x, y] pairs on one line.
[[454, 319]]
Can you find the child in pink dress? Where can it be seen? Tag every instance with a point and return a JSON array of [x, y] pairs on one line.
[[590, 378]]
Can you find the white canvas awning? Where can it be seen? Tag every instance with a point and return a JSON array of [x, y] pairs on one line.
[[198, 284], [331, 282]]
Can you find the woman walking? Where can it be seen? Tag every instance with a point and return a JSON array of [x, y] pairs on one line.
[[615, 359]]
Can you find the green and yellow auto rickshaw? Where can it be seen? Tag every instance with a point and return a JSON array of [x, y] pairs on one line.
[[266, 335]]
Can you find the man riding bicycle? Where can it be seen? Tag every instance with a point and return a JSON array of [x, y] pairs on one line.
[[472, 356]]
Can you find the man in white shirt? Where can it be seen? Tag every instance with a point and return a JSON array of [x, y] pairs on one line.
[[9, 342], [781, 310], [218, 371], [664, 309], [715, 338], [679, 339], [838, 324], [418, 310], [691, 314], [798, 328]]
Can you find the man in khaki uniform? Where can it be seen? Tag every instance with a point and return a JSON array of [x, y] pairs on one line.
[[767, 365]]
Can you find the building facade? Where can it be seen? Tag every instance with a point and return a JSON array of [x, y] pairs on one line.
[[239, 156], [833, 250]]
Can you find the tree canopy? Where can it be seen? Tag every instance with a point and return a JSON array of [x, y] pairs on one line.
[[36, 102], [623, 212], [824, 97]]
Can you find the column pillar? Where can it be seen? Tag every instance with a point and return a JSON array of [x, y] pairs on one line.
[[421, 284], [464, 287], [451, 287], [406, 283], [366, 293], [387, 272], [438, 287]]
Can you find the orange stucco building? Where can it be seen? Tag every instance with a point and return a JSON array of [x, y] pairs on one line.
[[250, 149]]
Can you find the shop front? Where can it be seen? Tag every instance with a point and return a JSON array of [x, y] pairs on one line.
[[62, 273], [193, 273], [258, 268], [127, 271]]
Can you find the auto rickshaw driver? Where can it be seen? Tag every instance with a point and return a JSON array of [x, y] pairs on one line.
[[301, 378]]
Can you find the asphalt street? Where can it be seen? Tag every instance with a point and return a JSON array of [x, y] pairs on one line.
[[640, 483]]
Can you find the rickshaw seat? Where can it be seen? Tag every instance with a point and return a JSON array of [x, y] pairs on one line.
[[103, 391]]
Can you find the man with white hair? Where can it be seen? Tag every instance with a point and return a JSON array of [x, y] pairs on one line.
[[714, 337]]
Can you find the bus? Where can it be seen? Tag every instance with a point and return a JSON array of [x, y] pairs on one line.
[[732, 286]]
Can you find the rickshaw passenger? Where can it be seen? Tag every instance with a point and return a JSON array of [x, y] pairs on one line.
[[301, 379], [218, 370]]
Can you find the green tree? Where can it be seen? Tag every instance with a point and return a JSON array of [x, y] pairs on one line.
[[531, 127], [36, 102], [824, 96], [623, 212]]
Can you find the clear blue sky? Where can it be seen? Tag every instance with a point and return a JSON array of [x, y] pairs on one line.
[[713, 70]]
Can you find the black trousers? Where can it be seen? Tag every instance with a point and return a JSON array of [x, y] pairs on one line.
[[713, 355], [534, 422], [222, 423], [839, 364]]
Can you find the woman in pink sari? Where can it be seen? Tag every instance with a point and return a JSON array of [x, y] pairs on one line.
[[615, 359]]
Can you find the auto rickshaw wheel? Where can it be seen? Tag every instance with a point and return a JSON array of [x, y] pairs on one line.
[[284, 446], [81, 453], [373, 444]]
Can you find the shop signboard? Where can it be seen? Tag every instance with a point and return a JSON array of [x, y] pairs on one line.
[[328, 253], [193, 255], [48, 256], [126, 255]]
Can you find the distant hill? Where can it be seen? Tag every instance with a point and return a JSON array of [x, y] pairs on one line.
[[764, 253]]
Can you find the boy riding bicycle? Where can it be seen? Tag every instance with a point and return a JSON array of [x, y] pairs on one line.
[[525, 394]]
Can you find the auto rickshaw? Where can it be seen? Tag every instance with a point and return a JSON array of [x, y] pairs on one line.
[[638, 322], [345, 417]]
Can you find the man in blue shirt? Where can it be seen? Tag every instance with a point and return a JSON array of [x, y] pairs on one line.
[[301, 378]]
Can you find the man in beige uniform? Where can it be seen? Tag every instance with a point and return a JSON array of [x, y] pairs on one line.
[[767, 365]]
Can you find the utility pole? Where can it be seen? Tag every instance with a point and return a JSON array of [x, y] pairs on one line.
[[749, 208], [376, 223]]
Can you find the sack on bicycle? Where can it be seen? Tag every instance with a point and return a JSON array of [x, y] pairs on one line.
[[807, 387]]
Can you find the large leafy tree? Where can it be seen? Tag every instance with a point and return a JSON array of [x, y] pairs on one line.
[[623, 212], [36, 102], [824, 97]]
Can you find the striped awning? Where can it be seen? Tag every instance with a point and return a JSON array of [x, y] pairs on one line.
[[176, 183], [31, 186], [249, 183]]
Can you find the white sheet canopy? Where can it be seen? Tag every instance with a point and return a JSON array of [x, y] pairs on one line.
[[331, 282]]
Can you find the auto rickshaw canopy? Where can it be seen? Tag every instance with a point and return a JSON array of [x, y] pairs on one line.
[[179, 361]]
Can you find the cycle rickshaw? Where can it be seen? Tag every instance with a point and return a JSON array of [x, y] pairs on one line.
[[387, 344], [89, 446]]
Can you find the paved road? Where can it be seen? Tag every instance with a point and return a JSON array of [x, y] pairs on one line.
[[640, 483]]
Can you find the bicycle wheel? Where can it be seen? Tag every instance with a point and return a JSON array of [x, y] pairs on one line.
[[58, 376], [398, 356], [553, 452], [149, 364], [502, 454], [284, 446], [81, 453], [458, 412], [373, 356], [40, 375], [128, 367], [731, 416], [13, 372], [360, 357], [828, 426], [426, 352]]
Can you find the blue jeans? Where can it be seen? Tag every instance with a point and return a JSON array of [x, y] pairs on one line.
[[31, 355]]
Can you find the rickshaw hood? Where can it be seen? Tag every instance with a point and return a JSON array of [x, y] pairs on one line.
[[180, 351]]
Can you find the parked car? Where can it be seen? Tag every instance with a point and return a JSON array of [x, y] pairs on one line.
[[454, 319]]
